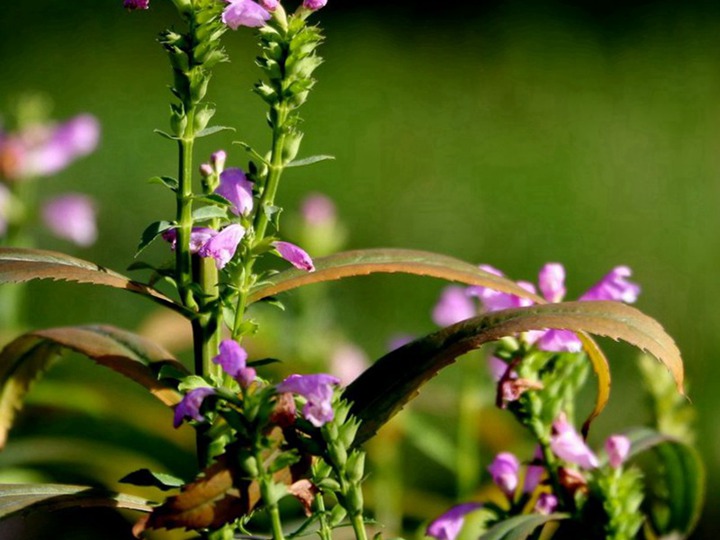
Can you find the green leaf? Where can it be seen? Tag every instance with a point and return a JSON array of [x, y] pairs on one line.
[[213, 198], [430, 440], [166, 181], [212, 130], [680, 472], [148, 478], [27, 499], [19, 265], [166, 135], [250, 150], [308, 161], [205, 213], [28, 356], [384, 388], [520, 527], [151, 232]]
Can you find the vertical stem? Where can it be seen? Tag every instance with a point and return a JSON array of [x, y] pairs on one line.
[[324, 531], [358, 526], [184, 216], [275, 522], [467, 461]]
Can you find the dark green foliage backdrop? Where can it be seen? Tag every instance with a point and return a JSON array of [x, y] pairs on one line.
[[505, 133]]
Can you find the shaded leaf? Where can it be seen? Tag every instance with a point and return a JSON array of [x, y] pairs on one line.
[[167, 181], [166, 135], [28, 356], [150, 233], [384, 388], [211, 130], [205, 213], [19, 265], [520, 527], [148, 478], [26, 499]]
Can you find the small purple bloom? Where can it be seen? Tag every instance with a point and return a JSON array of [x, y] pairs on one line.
[[448, 525], [233, 360], [136, 4], [546, 503], [493, 300], [534, 472], [348, 361], [504, 471], [497, 367], [244, 13], [318, 209], [189, 406], [552, 282], [617, 448], [270, 5], [237, 189], [555, 340], [454, 306], [295, 255], [567, 444], [614, 286], [217, 160], [314, 4], [71, 217], [223, 245], [198, 237], [317, 390]]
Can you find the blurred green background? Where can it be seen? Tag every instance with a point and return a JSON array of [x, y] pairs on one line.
[[509, 133]]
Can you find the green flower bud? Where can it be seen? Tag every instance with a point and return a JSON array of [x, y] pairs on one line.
[[356, 466]]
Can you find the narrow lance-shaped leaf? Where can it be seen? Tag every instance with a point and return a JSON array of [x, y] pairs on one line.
[[18, 265], [423, 263], [385, 387], [27, 499], [28, 356], [520, 527]]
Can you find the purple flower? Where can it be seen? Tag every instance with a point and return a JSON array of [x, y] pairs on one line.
[[237, 189], [534, 472], [504, 471], [448, 525], [493, 300], [71, 217], [546, 503], [223, 245], [454, 306], [189, 406], [318, 209], [567, 444], [314, 4], [614, 286], [295, 255], [43, 151], [617, 448], [198, 237], [348, 361], [217, 161], [497, 367], [551, 280], [244, 13], [270, 5], [317, 390], [136, 4], [554, 340], [233, 360]]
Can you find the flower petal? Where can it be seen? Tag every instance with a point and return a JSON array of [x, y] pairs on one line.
[[295, 255]]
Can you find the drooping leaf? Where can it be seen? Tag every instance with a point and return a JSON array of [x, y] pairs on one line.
[[520, 527], [19, 265], [373, 261], [385, 387], [167, 181], [309, 160], [151, 232], [26, 499], [148, 478], [212, 130], [27, 357], [681, 475]]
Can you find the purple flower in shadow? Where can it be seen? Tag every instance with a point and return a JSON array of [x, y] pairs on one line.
[[233, 360], [189, 406], [314, 4], [317, 389], [132, 5], [504, 471], [617, 448], [448, 525]]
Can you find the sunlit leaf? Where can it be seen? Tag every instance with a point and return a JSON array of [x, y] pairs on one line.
[[148, 478], [27, 357], [384, 388], [26, 499], [18, 265], [520, 527], [309, 160]]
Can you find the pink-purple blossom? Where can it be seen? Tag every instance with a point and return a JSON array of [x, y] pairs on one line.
[[504, 471], [454, 306], [198, 237], [189, 406], [546, 503], [295, 255], [244, 13], [448, 525], [270, 5], [71, 217], [237, 189], [223, 245], [317, 389], [347, 362], [534, 471], [568, 445], [314, 4], [136, 4], [617, 448], [318, 209], [233, 360], [614, 286]]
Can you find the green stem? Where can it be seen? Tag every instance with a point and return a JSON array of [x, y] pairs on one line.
[[467, 462], [358, 526], [184, 197], [324, 531], [275, 522]]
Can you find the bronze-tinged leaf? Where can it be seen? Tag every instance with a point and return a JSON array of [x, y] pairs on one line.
[[28, 356], [26, 499], [385, 387], [373, 261], [18, 265]]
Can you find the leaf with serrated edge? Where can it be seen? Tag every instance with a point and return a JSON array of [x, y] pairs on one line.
[[423, 263], [385, 387], [520, 527], [19, 265], [28, 356], [26, 499]]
